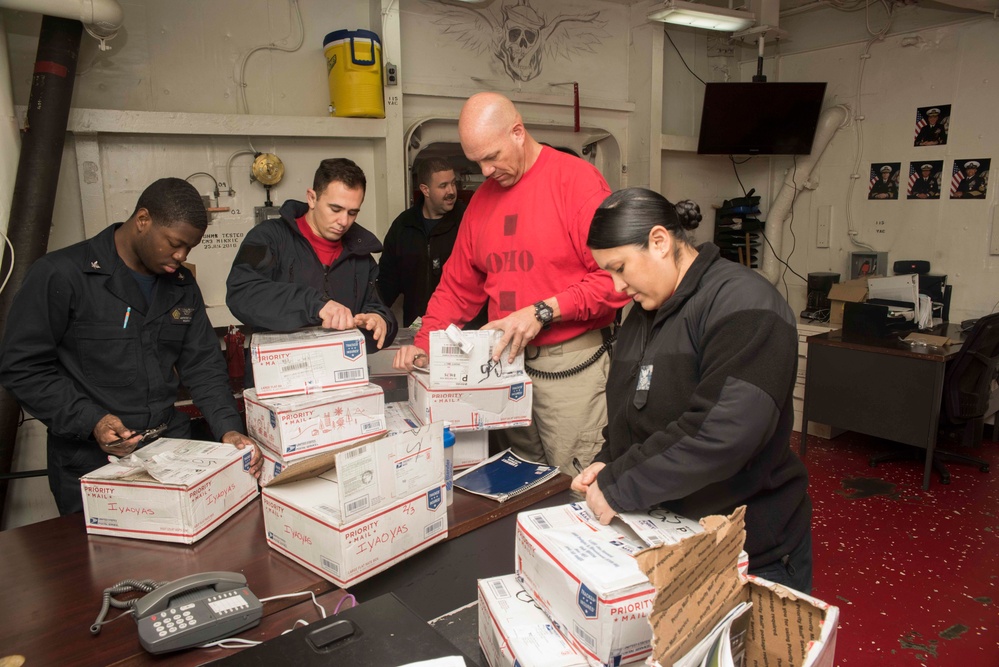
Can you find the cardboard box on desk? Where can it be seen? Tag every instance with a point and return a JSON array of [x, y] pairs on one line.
[[853, 291], [464, 359], [470, 447], [472, 408], [380, 362], [299, 525], [368, 475], [697, 584], [307, 361], [586, 579], [299, 426], [515, 632], [171, 490]]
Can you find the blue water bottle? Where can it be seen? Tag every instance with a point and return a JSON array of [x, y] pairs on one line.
[[449, 462]]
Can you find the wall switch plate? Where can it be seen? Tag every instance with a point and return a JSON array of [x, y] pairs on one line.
[[822, 226], [994, 241]]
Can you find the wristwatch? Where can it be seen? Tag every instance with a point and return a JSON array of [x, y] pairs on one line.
[[544, 314]]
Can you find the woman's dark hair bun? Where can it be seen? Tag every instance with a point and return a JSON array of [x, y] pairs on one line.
[[689, 214]]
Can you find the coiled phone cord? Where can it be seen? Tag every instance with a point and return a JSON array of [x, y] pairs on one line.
[[578, 368], [127, 586]]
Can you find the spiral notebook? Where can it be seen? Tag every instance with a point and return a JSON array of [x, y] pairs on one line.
[[503, 476]]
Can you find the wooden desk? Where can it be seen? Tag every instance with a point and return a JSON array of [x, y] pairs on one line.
[[879, 386], [54, 575]]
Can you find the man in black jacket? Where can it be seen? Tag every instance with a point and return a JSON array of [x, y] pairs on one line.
[[102, 333], [313, 265], [420, 241]]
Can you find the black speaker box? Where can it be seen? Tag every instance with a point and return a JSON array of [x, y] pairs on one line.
[[905, 266]]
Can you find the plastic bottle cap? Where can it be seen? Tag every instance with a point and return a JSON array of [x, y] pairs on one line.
[[448, 435]]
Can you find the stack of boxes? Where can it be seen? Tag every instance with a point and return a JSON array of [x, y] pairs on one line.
[[464, 387], [338, 496], [648, 587]]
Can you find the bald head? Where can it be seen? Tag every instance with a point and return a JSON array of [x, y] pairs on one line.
[[492, 134]]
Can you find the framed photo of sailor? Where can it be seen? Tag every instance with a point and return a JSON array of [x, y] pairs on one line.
[[924, 179], [970, 178], [884, 180], [932, 125]]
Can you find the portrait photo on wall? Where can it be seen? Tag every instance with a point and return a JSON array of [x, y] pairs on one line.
[[970, 178], [924, 179], [884, 180], [932, 125]]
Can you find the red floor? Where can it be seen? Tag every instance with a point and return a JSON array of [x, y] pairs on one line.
[[915, 573]]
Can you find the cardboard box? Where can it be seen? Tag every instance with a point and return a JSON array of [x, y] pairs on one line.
[[854, 291], [464, 359], [299, 525], [399, 417], [307, 361], [380, 362], [171, 490], [514, 631], [585, 577], [472, 408], [697, 584], [299, 426], [470, 447], [367, 476]]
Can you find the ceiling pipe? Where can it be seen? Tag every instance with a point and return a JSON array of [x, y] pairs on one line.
[[830, 120], [101, 18]]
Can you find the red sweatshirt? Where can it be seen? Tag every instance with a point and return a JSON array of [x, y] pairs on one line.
[[519, 245]]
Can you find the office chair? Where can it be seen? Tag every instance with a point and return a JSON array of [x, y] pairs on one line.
[[967, 390]]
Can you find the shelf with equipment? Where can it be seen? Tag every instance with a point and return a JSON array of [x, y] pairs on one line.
[[738, 230]]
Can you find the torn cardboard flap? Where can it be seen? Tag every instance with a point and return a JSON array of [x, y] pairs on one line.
[[697, 582]]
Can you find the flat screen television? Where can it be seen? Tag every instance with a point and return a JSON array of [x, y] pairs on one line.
[[760, 118]]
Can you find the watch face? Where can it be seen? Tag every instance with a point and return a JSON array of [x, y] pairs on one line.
[[543, 312]]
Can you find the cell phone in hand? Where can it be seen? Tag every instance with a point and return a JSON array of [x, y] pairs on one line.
[[144, 436]]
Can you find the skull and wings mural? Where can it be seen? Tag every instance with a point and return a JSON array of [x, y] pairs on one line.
[[520, 36]]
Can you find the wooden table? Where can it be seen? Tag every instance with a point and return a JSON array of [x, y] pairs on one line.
[[879, 386], [55, 574]]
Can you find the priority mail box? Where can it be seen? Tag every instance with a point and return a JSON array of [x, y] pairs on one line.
[[299, 426], [472, 408], [171, 490], [470, 447], [399, 417], [298, 524], [514, 631], [464, 359], [586, 579], [367, 476], [698, 585], [380, 361], [307, 361]]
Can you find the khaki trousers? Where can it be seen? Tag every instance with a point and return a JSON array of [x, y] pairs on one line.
[[569, 414]]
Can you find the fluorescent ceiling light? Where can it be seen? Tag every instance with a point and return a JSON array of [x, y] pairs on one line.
[[697, 15]]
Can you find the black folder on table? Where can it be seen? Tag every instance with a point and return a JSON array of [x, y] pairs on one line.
[[878, 318], [382, 631]]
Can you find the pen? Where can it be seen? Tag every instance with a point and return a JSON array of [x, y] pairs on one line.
[[128, 311], [577, 465]]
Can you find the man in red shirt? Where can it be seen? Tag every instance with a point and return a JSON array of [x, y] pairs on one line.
[[522, 249]]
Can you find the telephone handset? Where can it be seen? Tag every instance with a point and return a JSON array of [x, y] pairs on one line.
[[194, 610]]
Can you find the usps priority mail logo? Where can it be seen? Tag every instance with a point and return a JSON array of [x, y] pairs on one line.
[[434, 498], [352, 349]]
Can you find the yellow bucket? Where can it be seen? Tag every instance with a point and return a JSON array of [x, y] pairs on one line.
[[354, 65]]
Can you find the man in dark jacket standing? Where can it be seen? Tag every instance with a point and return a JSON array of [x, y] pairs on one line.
[[102, 333], [313, 265], [419, 242]]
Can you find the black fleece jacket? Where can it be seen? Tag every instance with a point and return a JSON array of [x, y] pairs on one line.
[[700, 408], [277, 282]]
